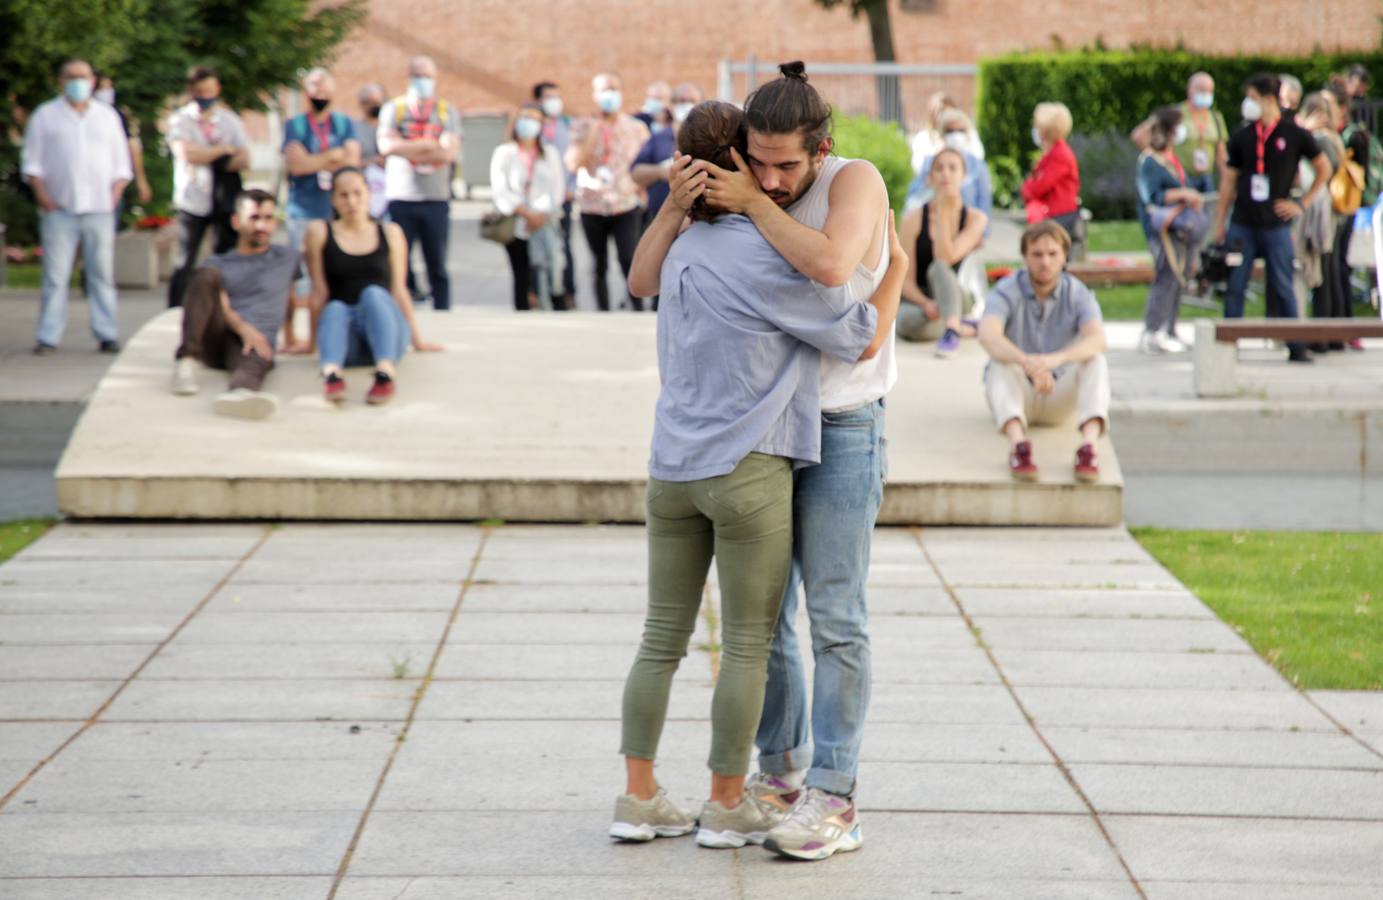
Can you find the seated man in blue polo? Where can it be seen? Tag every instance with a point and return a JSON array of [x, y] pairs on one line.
[[1264, 154], [1044, 334], [316, 145]]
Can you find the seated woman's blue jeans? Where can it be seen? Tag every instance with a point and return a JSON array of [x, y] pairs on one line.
[[365, 334]]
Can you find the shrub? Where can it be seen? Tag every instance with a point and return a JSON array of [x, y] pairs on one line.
[[883, 144], [1111, 91], [1108, 163]]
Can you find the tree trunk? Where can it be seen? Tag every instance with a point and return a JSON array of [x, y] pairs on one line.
[[887, 86]]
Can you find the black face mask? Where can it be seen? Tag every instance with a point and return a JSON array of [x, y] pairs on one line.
[[319, 104], [372, 112]]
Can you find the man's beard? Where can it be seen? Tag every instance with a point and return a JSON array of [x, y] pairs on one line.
[[813, 170]]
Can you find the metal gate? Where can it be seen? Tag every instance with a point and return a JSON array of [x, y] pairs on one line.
[[885, 91]]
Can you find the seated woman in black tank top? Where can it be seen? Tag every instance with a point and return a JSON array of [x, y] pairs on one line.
[[361, 312], [940, 235]]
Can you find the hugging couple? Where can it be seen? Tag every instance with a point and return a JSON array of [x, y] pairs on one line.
[[779, 274]]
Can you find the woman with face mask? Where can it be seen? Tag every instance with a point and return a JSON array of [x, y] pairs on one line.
[[602, 152], [1052, 191], [939, 236], [1174, 223], [977, 190], [528, 181]]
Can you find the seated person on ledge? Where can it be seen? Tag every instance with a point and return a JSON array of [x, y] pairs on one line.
[[233, 309], [1044, 334], [362, 314], [940, 235]]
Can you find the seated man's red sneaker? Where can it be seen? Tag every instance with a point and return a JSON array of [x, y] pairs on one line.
[[1087, 469], [334, 388], [1020, 462], [382, 391]]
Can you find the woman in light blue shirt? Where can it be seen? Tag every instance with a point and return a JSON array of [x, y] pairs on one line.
[[740, 337]]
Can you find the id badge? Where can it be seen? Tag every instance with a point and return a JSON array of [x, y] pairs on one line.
[[1200, 160], [324, 180], [1258, 188]]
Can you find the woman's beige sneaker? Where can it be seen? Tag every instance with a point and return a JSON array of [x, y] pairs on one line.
[[644, 820]]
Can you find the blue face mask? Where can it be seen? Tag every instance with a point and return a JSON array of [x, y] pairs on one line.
[[78, 90], [206, 102], [609, 101], [422, 87], [1203, 99], [527, 129]]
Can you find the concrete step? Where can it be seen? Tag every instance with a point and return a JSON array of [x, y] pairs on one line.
[[526, 417]]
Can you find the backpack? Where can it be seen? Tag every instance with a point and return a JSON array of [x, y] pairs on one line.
[[1373, 166], [341, 129], [401, 113]]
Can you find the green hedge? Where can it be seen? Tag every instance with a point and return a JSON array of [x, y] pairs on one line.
[[1115, 90], [883, 144]]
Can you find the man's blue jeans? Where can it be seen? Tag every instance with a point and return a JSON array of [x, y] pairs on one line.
[[835, 505], [61, 234], [371, 331], [427, 222], [1274, 245]]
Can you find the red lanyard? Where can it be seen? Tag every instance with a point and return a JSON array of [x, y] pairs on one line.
[[1176, 164], [323, 133], [531, 160], [208, 129], [422, 113], [1262, 134]]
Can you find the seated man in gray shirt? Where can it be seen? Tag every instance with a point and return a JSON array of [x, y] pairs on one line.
[[233, 309], [1044, 334], [740, 338]]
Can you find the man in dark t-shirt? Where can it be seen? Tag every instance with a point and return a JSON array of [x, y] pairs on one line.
[[233, 309], [1263, 157]]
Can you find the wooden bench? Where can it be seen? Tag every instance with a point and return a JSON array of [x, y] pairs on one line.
[[1216, 354]]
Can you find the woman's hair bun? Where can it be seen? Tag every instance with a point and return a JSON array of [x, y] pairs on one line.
[[796, 69]]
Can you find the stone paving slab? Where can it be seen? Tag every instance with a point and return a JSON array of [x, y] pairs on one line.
[[89, 628], [334, 598], [40, 700], [1237, 890], [1105, 576], [315, 628], [1252, 850], [134, 599], [1359, 711], [200, 742], [1075, 604], [145, 844], [541, 887], [263, 699], [151, 542], [1067, 551], [908, 600], [578, 662], [930, 666], [1226, 791], [560, 598], [166, 888], [945, 705], [554, 700], [32, 740], [1210, 710], [569, 629], [70, 662], [1113, 668], [1132, 636], [381, 659], [1328, 749], [394, 569], [197, 786], [55, 574]]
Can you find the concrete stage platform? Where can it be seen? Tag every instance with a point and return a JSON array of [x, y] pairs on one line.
[[539, 418]]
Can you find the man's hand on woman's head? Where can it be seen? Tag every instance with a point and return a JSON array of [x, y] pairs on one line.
[[686, 181], [732, 191]]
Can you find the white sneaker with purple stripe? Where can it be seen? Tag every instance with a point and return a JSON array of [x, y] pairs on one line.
[[819, 826]]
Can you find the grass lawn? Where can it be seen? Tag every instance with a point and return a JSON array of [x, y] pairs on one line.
[[25, 277], [15, 536], [1115, 236], [1310, 603]]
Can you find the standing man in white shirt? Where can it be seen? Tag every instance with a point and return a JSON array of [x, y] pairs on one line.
[[77, 161], [205, 136]]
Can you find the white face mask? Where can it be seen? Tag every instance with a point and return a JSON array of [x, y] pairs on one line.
[[106, 96], [1036, 136], [552, 107], [1251, 110], [956, 140], [527, 129], [680, 112], [1181, 134], [609, 101]]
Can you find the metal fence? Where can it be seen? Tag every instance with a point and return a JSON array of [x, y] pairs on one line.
[[885, 91]]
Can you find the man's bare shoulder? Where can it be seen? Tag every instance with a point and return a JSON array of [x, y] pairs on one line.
[[858, 181]]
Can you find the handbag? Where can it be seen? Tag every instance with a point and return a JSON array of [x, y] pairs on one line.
[[1178, 224], [496, 226], [1360, 252], [1347, 186]]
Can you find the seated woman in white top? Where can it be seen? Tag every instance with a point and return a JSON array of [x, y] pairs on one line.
[[529, 181]]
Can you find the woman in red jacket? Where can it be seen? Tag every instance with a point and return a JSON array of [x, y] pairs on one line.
[[1052, 191]]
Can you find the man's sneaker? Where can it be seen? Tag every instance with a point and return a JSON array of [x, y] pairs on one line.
[[382, 391], [108, 347], [243, 403], [1170, 343], [819, 826], [773, 790], [42, 349], [1020, 462], [1087, 469], [644, 820], [748, 823], [1299, 355], [185, 377], [948, 345], [1149, 344], [334, 388]]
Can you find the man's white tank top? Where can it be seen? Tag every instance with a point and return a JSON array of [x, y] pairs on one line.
[[849, 385]]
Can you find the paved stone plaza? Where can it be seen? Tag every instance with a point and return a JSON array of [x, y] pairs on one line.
[[379, 712]]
